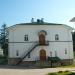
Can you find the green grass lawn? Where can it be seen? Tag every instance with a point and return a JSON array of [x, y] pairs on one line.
[[62, 73], [68, 66]]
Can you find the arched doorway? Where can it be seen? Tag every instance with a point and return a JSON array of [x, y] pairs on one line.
[[42, 39], [42, 55]]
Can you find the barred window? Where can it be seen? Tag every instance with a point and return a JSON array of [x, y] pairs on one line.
[[26, 38], [65, 50], [56, 37]]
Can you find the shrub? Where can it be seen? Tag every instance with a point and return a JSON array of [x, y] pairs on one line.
[[51, 74], [60, 71], [66, 71], [71, 73]]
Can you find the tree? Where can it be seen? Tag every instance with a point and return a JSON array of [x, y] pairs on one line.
[[3, 43], [73, 37]]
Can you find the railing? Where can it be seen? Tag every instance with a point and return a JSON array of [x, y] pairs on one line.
[[46, 43], [31, 49], [28, 52]]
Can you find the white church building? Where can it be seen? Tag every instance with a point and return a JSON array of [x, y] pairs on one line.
[[39, 41]]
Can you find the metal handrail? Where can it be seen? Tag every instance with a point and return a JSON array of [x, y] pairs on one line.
[[29, 51]]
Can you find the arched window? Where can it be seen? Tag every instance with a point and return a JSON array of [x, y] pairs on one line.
[[50, 53], [55, 53], [56, 37]]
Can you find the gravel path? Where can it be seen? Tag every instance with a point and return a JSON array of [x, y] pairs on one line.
[[24, 71]]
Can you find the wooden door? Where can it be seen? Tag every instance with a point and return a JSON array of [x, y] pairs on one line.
[[42, 55], [42, 39]]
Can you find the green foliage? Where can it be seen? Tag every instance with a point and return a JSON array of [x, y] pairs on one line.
[[74, 53], [5, 50], [3, 60], [62, 73], [51, 74], [3, 43], [73, 37], [66, 71], [54, 59], [71, 73]]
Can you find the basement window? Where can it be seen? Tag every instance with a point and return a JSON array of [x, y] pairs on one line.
[[26, 38]]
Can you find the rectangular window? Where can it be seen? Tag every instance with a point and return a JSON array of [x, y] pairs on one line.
[[17, 53], [65, 51], [26, 38], [56, 37], [6, 40]]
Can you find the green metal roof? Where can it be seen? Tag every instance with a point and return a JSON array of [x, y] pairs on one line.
[[36, 23]]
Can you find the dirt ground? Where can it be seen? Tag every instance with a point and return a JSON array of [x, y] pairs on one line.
[[11, 70]]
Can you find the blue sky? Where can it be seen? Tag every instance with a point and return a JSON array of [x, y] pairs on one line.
[[20, 11]]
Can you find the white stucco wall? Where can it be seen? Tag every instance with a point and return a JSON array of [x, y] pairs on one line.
[[16, 41]]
